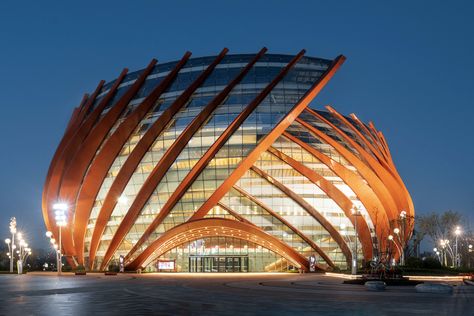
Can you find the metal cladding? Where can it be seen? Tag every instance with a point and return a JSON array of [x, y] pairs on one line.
[[224, 151]]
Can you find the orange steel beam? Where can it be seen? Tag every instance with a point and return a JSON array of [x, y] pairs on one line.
[[269, 139], [364, 192], [373, 140], [380, 159], [67, 148], [212, 151], [73, 176], [150, 184], [389, 207], [103, 161], [135, 157], [235, 214], [311, 243], [388, 173], [190, 231], [380, 173], [379, 141], [308, 208], [88, 106], [336, 195], [74, 121], [72, 125]]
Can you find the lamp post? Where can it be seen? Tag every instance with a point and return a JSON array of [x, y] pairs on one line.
[[12, 246], [457, 232], [469, 249], [60, 210], [355, 212], [399, 249], [347, 239], [396, 231]]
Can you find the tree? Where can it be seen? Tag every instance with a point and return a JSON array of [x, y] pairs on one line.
[[440, 229]]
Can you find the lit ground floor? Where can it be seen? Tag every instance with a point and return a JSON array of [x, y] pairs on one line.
[[217, 294]]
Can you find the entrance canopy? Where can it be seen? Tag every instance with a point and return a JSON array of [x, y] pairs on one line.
[[208, 227]]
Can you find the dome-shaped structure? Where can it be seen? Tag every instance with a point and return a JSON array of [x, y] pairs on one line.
[[218, 164]]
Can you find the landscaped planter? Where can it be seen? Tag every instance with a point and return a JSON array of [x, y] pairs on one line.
[[110, 273]]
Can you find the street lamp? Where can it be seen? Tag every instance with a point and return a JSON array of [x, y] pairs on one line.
[[346, 237], [60, 210], [355, 212], [396, 231], [457, 232], [12, 247]]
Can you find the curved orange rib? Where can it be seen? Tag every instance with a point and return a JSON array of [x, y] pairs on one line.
[[79, 164], [380, 159], [336, 195], [149, 186], [269, 139], [311, 243], [101, 164], [386, 181], [385, 171], [190, 231], [235, 214], [71, 145], [373, 140], [212, 151], [308, 208], [73, 124], [364, 192]]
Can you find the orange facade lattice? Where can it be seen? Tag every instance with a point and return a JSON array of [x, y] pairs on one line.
[[223, 157]]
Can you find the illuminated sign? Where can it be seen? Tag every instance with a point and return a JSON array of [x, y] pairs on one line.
[[166, 265]]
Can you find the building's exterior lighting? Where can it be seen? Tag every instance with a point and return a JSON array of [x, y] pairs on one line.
[[49, 234], [396, 230], [109, 204], [123, 199]]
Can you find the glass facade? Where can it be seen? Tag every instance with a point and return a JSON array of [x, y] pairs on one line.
[[253, 199]]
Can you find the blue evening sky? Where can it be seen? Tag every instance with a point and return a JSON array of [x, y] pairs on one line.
[[410, 69]]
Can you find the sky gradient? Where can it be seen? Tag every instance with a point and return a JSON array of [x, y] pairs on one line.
[[409, 69]]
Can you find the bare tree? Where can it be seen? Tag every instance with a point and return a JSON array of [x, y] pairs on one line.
[[440, 229]]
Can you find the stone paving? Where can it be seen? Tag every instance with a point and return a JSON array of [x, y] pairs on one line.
[[217, 294]]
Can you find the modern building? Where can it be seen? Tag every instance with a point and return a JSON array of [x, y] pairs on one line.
[[219, 164]]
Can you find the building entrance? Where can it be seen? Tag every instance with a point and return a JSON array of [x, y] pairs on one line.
[[218, 264]]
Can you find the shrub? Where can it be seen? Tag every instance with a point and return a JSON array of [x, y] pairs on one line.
[[114, 267], [80, 268], [431, 263], [413, 262]]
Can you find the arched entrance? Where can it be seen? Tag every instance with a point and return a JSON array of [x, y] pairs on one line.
[[216, 227]]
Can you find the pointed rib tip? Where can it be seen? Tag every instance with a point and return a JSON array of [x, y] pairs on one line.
[[330, 108], [187, 54], [224, 50], [264, 49]]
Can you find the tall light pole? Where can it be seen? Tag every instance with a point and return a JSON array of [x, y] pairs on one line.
[[401, 241], [470, 249], [355, 212], [12, 247], [60, 210], [457, 232], [399, 249]]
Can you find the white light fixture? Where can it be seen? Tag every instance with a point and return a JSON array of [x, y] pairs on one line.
[[122, 199]]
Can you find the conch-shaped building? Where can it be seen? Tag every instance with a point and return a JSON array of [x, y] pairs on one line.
[[219, 164]]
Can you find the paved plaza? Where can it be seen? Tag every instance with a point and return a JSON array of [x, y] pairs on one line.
[[217, 294]]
